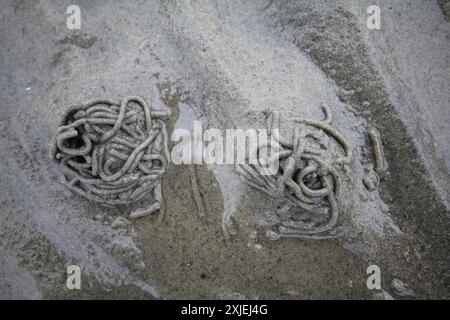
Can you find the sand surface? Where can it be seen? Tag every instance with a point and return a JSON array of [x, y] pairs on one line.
[[227, 63]]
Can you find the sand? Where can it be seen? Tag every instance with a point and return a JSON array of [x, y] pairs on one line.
[[227, 63]]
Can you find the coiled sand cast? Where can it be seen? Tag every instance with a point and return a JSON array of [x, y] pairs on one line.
[[307, 180], [112, 152]]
